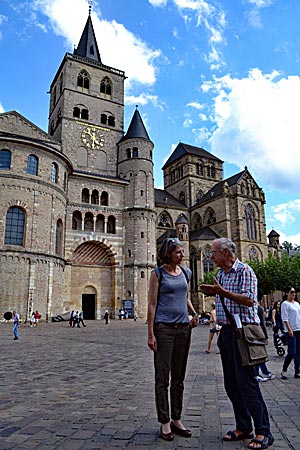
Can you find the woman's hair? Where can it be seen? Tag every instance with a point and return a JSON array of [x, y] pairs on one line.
[[276, 303], [167, 248]]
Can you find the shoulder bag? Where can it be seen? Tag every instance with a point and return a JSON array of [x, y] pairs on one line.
[[251, 341]]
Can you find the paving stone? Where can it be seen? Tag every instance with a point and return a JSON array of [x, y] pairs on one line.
[[95, 390]]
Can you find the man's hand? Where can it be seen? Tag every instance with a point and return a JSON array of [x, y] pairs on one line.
[[212, 289], [194, 322]]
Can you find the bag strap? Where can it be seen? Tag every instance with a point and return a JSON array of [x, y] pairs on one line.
[[228, 314]]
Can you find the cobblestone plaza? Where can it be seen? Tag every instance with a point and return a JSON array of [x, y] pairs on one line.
[[93, 388]]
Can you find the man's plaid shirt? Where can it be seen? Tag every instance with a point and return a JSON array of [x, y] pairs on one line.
[[240, 279]]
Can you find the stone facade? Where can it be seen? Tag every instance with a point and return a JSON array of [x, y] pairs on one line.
[[80, 219]]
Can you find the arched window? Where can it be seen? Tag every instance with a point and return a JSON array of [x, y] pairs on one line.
[[142, 274], [89, 222], [111, 121], [95, 197], [81, 112], [15, 226], [103, 119], [196, 221], [76, 111], [85, 114], [52, 127], [213, 172], [100, 223], [208, 265], [85, 196], [129, 253], [111, 225], [58, 117], [182, 197], [83, 79], [210, 216], [250, 223], [208, 171], [54, 173], [59, 237], [5, 159], [199, 194], [135, 152], [77, 221], [128, 153], [104, 198], [32, 165], [164, 220], [106, 86], [142, 234], [253, 254]]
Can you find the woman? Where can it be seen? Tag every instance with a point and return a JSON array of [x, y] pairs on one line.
[[214, 327], [169, 334], [276, 318], [290, 313]]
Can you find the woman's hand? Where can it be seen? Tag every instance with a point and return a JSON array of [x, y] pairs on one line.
[[194, 321], [152, 343], [290, 332]]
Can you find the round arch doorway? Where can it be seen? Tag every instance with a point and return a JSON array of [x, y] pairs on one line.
[[89, 302]]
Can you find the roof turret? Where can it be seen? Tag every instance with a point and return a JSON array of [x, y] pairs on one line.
[[136, 128]]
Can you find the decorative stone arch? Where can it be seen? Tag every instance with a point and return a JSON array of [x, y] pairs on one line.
[[250, 215], [164, 220], [209, 216], [196, 221], [104, 241], [253, 253], [207, 263]]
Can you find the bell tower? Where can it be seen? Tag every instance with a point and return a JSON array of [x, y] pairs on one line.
[[86, 112]]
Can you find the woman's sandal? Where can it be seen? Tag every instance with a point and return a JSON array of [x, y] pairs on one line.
[[232, 436], [263, 443]]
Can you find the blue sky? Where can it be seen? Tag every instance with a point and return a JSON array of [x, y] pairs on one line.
[[223, 75]]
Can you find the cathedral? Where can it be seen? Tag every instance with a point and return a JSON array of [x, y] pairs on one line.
[[81, 221]]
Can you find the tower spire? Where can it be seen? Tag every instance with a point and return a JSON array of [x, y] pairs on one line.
[[87, 47]]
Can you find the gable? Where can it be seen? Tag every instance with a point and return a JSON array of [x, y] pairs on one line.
[[16, 125]]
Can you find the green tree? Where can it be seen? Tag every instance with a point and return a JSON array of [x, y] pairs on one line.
[[287, 246]]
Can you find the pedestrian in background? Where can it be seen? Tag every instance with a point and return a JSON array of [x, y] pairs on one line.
[[214, 328], [16, 325], [169, 335], [290, 313], [81, 319]]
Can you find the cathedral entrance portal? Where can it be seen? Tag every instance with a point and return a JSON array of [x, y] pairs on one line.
[[89, 306], [93, 279]]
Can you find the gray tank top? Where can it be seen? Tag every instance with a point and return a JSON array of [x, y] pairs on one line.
[[172, 300]]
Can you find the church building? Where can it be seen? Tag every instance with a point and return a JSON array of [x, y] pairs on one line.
[[80, 219]]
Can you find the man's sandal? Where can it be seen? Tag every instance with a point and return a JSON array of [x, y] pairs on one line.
[[263, 443], [232, 436]]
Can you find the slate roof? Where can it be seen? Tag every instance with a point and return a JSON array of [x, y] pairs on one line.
[[217, 189], [136, 128], [183, 149], [87, 47], [163, 198], [205, 233]]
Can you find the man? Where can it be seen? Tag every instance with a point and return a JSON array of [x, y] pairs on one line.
[[237, 284]]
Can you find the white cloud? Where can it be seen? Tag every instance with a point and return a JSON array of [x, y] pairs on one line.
[[254, 15], [195, 105], [158, 2], [144, 99], [207, 15], [117, 45], [286, 213], [257, 124], [1, 108]]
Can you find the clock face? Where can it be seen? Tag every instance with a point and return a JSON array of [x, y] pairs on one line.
[[92, 137]]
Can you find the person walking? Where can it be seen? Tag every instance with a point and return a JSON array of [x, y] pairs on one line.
[[169, 335], [71, 318], [277, 321], [16, 325], [106, 317], [81, 319], [236, 285], [214, 327], [290, 313], [266, 374]]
